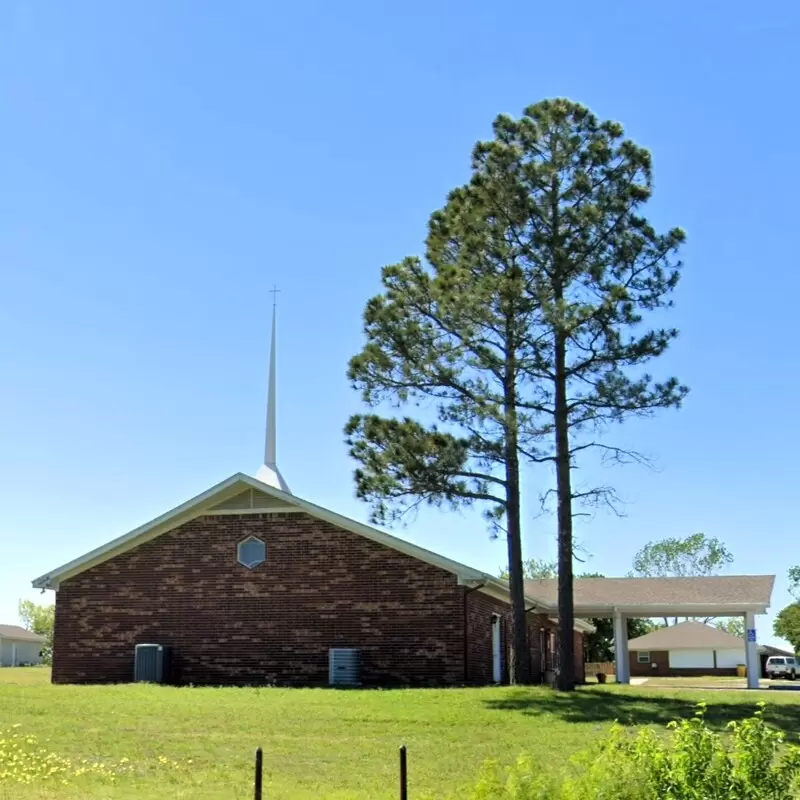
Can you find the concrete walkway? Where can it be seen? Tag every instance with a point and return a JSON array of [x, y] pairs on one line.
[[638, 681]]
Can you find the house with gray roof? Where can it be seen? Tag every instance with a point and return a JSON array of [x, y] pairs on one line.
[[19, 647], [686, 649]]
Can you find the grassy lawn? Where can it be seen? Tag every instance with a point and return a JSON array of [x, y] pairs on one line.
[[711, 681], [322, 743]]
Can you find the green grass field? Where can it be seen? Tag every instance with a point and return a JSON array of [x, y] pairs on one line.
[[199, 743]]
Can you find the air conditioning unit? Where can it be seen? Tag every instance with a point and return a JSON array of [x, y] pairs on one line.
[[151, 663], [344, 666]]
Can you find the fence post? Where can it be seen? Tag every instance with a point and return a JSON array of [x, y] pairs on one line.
[[259, 777], [403, 774]]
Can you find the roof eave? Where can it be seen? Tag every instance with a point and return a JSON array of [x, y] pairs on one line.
[[198, 505], [660, 610], [579, 625], [183, 513]]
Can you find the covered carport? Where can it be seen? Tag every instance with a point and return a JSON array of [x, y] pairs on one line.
[[743, 596]]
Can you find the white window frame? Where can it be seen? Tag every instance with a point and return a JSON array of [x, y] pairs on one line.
[[250, 564], [646, 659]]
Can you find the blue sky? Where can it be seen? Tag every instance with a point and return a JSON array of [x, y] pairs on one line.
[[163, 164]]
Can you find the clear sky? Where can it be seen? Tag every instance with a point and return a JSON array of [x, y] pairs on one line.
[[163, 164]]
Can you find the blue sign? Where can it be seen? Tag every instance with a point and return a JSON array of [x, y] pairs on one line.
[[751, 634]]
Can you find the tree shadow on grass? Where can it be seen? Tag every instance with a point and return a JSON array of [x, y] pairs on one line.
[[640, 709]]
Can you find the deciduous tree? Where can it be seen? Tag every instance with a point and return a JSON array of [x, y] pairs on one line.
[[794, 582], [694, 556], [732, 625], [535, 569], [39, 619], [787, 625]]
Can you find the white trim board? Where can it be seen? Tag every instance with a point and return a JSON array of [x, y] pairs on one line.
[[236, 512]]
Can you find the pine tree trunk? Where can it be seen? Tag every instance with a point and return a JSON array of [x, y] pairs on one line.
[[520, 661], [566, 606]]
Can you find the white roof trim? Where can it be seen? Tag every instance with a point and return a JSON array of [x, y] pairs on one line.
[[202, 503], [161, 524], [647, 610]]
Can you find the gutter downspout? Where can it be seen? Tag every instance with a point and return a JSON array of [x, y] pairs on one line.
[[467, 591]]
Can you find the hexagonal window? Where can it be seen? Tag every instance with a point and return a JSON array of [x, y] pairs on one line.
[[251, 552]]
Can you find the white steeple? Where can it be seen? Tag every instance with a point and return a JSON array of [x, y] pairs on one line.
[[269, 473]]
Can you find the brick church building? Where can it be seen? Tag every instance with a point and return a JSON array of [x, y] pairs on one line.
[[249, 584]]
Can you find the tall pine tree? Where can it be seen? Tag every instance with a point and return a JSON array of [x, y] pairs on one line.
[[524, 330], [452, 339]]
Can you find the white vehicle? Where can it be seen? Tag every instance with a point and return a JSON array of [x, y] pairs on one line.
[[782, 667]]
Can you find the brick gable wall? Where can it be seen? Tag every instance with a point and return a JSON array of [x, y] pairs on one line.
[[320, 587]]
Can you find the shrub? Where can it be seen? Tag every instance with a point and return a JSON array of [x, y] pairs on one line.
[[692, 762]]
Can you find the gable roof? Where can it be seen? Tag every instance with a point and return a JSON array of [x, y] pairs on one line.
[[688, 635], [769, 650], [16, 632], [241, 492], [596, 597]]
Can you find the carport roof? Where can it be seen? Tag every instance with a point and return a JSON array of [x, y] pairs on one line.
[[717, 595]]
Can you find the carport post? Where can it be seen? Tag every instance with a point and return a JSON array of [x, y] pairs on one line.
[[621, 648], [751, 651]]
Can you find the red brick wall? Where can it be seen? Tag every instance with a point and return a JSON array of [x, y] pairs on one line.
[[480, 608], [580, 668], [661, 659], [319, 587], [536, 624]]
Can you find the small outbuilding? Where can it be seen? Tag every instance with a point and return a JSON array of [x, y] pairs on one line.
[[19, 647], [686, 649]]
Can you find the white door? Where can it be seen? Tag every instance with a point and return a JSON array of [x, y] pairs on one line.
[[497, 649], [13, 654]]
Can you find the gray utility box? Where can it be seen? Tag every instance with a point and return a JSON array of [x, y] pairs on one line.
[[151, 663], [344, 666]]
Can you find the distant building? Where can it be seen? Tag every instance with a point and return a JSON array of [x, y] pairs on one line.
[[19, 647], [688, 648]]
